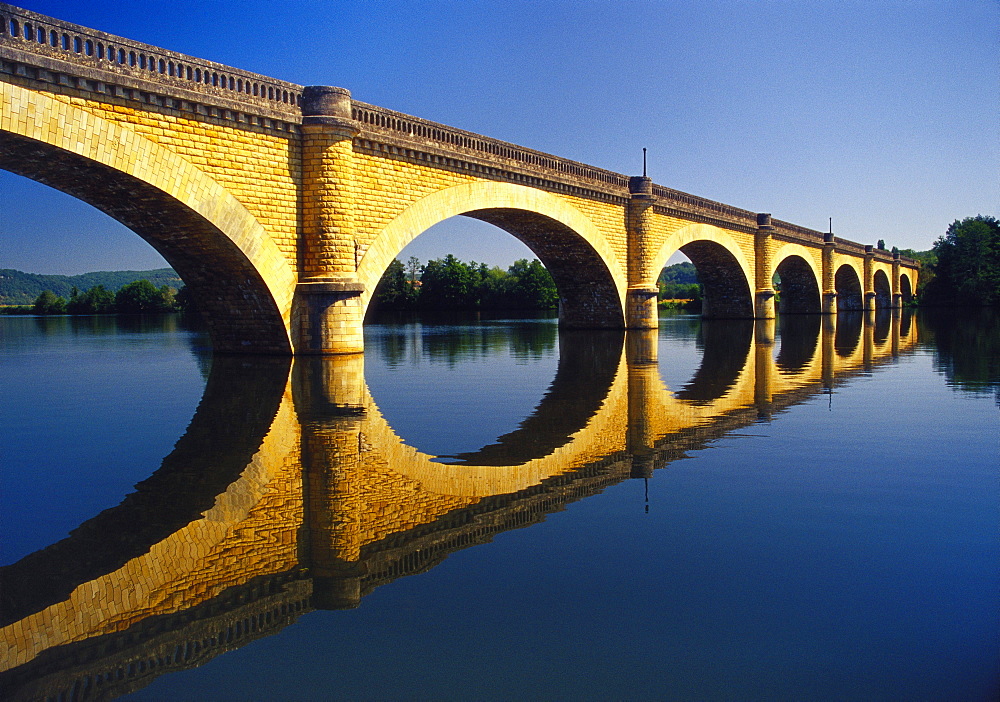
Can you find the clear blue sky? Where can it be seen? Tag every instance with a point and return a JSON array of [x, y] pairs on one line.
[[880, 114]]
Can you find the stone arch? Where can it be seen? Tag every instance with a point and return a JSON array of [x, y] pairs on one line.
[[799, 281], [850, 295], [905, 287], [241, 280], [883, 290], [582, 262], [723, 270]]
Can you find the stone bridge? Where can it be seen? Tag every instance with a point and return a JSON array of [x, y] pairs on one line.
[[280, 205], [290, 492]]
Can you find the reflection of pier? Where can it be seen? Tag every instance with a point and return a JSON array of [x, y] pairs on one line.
[[290, 492]]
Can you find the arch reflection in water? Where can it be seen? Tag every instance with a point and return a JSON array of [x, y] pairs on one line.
[[290, 492]]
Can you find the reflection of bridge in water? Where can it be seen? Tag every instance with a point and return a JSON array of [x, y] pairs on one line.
[[290, 492]]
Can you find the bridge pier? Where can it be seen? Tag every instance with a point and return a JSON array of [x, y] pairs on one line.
[[327, 313], [897, 296], [868, 284], [763, 303], [640, 299], [829, 285]]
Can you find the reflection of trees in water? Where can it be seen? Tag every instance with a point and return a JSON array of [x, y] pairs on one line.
[[967, 346], [799, 339], [460, 340]]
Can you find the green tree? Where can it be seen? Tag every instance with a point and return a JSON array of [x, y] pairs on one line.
[[684, 273], [449, 284], [143, 296], [967, 271], [495, 288], [394, 290], [96, 300], [532, 286], [48, 302], [413, 267]]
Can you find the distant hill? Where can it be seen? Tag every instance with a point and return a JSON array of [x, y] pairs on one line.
[[18, 288], [680, 273]]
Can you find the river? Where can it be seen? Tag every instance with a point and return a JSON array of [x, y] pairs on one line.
[[485, 508]]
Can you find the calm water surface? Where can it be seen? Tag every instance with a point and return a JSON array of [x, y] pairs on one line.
[[494, 509]]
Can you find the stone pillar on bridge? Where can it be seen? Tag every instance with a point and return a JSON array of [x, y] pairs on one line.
[[329, 400], [327, 317], [643, 383], [640, 299], [763, 301], [869, 282], [829, 284], [897, 296]]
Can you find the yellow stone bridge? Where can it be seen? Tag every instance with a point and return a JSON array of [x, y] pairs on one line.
[[280, 206]]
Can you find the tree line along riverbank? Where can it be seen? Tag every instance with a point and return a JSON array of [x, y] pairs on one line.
[[963, 268]]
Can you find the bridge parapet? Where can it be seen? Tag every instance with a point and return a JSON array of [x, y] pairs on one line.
[[65, 53], [499, 158]]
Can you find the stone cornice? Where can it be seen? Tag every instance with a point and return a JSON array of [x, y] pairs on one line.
[[79, 52], [391, 146]]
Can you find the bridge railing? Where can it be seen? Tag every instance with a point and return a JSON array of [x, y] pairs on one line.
[[413, 128], [39, 35]]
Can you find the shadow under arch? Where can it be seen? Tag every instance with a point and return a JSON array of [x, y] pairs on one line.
[[588, 363], [726, 350], [582, 262], [883, 290], [239, 405], [905, 288], [726, 290], [241, 281], [800, 337], [799, 287], [723, 270], [848, 286]]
